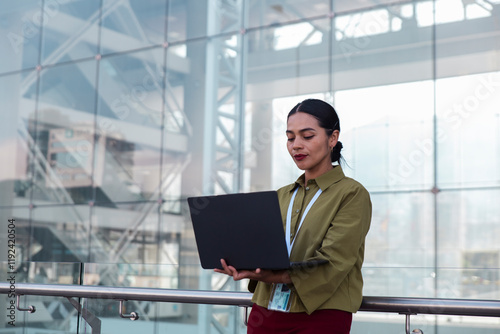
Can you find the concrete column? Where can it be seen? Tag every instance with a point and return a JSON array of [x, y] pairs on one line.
[[192, 177], [262, 146]]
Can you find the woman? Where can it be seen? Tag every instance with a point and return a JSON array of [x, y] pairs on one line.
[[326, 217]]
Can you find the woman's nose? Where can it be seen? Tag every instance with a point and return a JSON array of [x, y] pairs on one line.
[[297, 143]]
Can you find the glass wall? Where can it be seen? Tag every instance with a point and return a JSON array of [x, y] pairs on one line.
[[114, 112]]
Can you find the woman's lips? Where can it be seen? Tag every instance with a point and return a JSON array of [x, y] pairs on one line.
[[300, 157]]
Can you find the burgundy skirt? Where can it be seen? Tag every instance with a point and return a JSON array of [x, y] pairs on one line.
[[264, 321]]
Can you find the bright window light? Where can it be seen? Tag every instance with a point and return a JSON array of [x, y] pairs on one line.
[[449, 11], [476, 11], [296, 34], [363, 24]]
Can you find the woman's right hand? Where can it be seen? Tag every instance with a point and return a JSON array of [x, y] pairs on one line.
[[268, 276], [232, 271]]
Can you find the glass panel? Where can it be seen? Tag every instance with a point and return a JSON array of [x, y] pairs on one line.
[[174, 229], [53, 314], [398, 281], [299, 64], [125, 233], [129, 122], [374, 322], [138, 275], [17, 129], [133, 275], [402, 230], [466, 40], [70, 30], [65, 134], [376, 47], [267, 12], [178, 317], [41, 272], [478, 278], [479, 283], [20, 31], [468, 105], [455, 324], [165, 317], [392, 148], [60, 233], [132, 25], [468, 226]]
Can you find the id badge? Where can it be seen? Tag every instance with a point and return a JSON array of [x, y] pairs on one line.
[[280, 298]]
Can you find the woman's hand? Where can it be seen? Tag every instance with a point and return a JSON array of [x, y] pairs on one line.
[[263, 275]]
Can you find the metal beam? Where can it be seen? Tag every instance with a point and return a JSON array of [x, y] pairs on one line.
[[224, 97]]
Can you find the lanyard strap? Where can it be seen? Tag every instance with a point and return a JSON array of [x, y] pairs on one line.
[[289, 219]]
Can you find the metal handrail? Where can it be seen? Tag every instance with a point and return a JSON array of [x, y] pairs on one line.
[[128, 293], [463, 307]]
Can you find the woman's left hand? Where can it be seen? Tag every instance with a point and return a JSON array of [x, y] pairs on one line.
[[263, 275]]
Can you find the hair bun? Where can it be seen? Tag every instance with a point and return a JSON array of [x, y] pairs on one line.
[[335, 155]]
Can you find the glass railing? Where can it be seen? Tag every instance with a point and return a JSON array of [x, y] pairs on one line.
[[53, 314], [168, 298]]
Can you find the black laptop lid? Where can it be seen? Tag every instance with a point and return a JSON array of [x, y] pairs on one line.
[[244, 229]]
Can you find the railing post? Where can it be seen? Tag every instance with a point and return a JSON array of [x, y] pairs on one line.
[[246, 316], [132, 316], [30, 309], [407, 323]]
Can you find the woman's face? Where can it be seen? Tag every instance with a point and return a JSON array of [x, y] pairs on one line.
[[309, 145]]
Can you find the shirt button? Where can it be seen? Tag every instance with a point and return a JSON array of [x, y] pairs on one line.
[[297, 211], [307, 188]]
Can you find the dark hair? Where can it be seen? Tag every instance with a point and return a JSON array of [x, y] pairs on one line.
[[327, 118]]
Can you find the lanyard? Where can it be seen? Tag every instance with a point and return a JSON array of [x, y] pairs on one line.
[[289, 219]]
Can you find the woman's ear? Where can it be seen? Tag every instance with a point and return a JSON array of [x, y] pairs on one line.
[[334, 138]]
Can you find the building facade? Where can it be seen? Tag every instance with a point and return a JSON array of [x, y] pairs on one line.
[[113, 112]]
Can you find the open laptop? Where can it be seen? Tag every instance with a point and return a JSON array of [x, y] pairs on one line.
[[245, 229]]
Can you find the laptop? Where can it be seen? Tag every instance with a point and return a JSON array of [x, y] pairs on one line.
[[245, 229]]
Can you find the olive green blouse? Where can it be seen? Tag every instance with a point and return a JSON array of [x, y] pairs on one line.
[[334, 229]]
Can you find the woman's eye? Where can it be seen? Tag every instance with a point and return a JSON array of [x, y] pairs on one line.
[[291, 139], [308, 137]]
